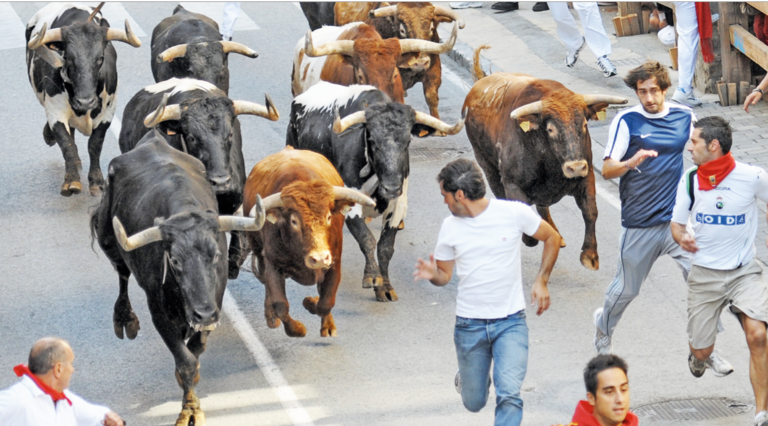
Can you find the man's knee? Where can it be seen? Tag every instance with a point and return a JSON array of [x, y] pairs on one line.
[[474, 403], [756, 334]]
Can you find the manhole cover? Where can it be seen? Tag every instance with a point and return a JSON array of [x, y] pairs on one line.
[[691, 409], [426, 155]]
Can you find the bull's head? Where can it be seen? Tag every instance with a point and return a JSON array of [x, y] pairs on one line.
[[560, 119], [206, 61], [80, 51], [389, 128], [192, 255], [206, 129], [303, 212], [419, 21], [375, 61]]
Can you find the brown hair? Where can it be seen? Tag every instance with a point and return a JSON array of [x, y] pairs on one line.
[[645, 71]]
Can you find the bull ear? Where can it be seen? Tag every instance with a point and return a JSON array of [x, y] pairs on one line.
[[597, 111], [529, 122], [422, 130]]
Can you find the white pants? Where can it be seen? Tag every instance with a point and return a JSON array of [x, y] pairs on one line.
[[231, 12], [591, 22], [687, 43]]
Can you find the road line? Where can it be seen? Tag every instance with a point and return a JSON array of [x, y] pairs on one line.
[[116, 126], [11, 28], [215, 11], [266, 364]]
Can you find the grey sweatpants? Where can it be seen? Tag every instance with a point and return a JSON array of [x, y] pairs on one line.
[[638, 250]]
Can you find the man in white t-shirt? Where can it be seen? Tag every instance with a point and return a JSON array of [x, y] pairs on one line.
[[482, 238], [721, 198]]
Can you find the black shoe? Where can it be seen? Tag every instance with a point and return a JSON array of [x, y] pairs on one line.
[[540, 6], [505, 6]]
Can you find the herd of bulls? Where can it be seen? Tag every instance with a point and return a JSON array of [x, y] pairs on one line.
[[181, 181]]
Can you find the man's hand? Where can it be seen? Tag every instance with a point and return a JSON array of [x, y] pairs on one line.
[[540, 296], [112, 419], [752, 99], [688, 243], [639, 157], [425, 270]]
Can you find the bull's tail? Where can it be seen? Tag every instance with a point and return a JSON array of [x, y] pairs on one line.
[[476, 67]]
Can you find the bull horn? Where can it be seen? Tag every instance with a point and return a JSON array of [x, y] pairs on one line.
[[527, 109], [149, 235], [95, 11], [349, 194], [239, 223], [172, 53], [608, 99], [126, 36], [269, 112], [273, 202], [409, 45], [438, 124], [234, 47], [448, 13], [383, 12], [340, 125], [44, 37], [163, 112], [51, 56], [342, 47]]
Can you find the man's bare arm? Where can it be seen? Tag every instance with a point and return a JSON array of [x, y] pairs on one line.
[[683, 238], [551, 239], [438, 272], [614, 168]]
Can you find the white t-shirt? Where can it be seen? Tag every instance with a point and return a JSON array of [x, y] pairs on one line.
[[25, 404], [725, 218], [486, 249]]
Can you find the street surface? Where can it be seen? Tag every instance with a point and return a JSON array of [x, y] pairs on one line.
[[392, 363]]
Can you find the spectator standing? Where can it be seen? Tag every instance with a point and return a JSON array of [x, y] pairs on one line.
[[482, 239], [594, 33], [721, 197], [231, 12]]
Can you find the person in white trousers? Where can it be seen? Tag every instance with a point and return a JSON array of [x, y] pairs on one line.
[[687, 28], [594, 33], [231, 12]]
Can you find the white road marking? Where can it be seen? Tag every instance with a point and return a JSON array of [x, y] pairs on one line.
[[116, 14], [116, 126], [11, 28], [298, 6], [267, 365], [215, 11], [607, 196]]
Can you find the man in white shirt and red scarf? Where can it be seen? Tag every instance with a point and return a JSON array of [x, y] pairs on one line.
[[721, 198], [41, 396]]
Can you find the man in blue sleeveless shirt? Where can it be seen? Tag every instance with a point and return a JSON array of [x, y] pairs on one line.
[[645, 150]]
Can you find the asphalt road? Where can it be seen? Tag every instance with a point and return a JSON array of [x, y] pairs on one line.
[[392, 363]]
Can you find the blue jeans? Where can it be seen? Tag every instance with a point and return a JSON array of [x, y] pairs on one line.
[[505, 341]]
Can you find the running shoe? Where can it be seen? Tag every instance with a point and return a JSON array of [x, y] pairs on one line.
[[683, 98], [718, 365], [572, 57], [605, 64], [761, 419], [466, 5], [540, 6], [602, 341], [697, 367]]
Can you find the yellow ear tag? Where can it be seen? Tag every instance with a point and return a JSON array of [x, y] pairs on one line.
[[423, 133], [525, 125], [170, 132], [271, 218], [601, 115]]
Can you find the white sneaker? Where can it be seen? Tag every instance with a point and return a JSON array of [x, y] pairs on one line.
[[761, 419], [572, 57], [608, 69], [602, 341], [466, 5], [457, 382], [718, 365], [685, 98]]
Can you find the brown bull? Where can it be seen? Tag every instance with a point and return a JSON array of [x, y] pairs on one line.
[[406, 20], [305, 202], [530, 136]]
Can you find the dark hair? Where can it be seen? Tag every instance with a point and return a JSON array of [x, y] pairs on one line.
[[648, 70], [716, 128], [45, 354], [599, 364], [463, 174]]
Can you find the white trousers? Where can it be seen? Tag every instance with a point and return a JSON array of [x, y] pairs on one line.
[[591, 22], [231, 12], [687, 28]]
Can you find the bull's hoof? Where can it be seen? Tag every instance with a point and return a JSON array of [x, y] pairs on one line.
[[590, 260], [368, 220], [310, 304], [385, 293], [95, 183], [329, 327], [191, 417], [129, 322], [95, 190], [69, 188], [373, 281], [234, 270], [530, 241], [272, 320], [401, 226], [295, 329]]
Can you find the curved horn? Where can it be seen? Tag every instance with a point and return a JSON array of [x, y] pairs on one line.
[[414, 45], [126, 36], [608, 99], [234, 47], [383, 12], [527, 109], [51, 56], [149, 235], [269, 112], [163, 112], [349, 194], [95, 11], [342, 47], [438, 124], [239, 223], [340, 125], [44, 37], [172, 53], [273, 202], [448, 13]]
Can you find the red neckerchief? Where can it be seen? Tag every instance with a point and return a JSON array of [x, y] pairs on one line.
[[704, 18], [584, 416], [712, 173], [53, 393]]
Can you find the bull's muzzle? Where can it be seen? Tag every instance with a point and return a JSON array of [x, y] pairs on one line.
[[204, 318], [390, 192], [318, 260], [575, 169], [85, 104], [220, 183]]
